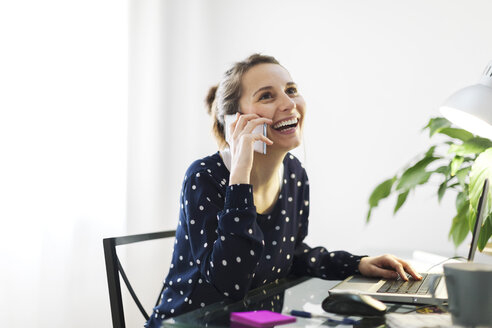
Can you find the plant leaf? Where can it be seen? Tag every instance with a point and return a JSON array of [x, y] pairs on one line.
[[443, 170], [430, 152], [369, 212], [402, 197], [461, 200], [453, 185], [485, 233], [474, 145], [437, 123], [441, 190], [462, 174], [415, 175], [481, 170], [459, 228], [380, 192], [460, 134], [455, 164]]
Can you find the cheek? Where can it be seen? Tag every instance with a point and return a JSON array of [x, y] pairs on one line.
[[253, 110], [260, 111], [301, 106], [267, 114], [302, 111]]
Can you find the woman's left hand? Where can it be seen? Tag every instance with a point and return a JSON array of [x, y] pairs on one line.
[[386, 266]]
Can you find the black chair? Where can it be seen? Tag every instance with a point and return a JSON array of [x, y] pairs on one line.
[[114, 269]]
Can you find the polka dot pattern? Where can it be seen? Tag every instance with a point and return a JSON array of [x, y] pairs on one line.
[[223, 245]]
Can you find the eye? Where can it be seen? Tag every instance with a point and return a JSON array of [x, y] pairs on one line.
[[291, 90], [265, 96]]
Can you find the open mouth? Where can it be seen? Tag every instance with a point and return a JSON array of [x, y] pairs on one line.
[[285, 125]]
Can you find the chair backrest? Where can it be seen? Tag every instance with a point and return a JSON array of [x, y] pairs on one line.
[[114, 269]]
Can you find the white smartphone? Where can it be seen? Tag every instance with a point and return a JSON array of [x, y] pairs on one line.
[[259, 146]]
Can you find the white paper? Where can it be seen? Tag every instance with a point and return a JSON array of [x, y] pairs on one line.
[[415, 320]]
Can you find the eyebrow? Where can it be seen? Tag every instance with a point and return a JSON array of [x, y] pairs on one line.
[[270, 87]]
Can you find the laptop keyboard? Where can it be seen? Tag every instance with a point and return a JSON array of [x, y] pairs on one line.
[[412, 286]]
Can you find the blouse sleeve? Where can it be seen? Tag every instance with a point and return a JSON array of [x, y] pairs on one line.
[[226, 242], [318, 262]]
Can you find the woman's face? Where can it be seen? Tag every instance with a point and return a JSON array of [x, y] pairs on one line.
[[268, 91]]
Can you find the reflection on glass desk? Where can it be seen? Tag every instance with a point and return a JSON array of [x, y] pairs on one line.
[[288, 294]]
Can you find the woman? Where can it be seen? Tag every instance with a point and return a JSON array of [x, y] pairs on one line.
[[244, 215]]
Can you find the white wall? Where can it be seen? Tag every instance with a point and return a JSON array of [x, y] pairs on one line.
[[63, 110]]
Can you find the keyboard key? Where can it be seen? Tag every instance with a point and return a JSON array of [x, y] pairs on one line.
[[396, 285], [384, 288], [424, 289], [400, 286]]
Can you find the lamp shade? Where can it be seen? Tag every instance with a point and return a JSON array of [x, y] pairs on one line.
[[471, 107]]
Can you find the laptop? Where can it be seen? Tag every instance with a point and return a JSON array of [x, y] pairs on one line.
[[412, 291]]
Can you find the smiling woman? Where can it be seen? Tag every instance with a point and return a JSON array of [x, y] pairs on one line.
[[268, 91], [244, 214]]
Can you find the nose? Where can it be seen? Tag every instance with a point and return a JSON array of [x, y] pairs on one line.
[[287, 104]]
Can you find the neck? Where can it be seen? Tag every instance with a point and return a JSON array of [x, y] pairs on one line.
[[265, 169]]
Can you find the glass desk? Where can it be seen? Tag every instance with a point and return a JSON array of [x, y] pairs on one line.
[[287, 294]]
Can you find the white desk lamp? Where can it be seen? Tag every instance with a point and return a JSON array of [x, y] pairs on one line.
[[471, 107]]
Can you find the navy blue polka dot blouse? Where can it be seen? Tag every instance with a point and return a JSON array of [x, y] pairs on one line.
[[224, 248]]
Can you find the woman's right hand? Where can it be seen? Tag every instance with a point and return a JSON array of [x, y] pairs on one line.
[[241, 145]]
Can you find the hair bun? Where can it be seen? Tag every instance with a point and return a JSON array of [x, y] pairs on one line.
[[209, 100]]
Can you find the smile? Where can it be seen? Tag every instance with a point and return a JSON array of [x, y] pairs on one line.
[[286, 124]]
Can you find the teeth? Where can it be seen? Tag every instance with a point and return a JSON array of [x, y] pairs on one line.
[[284, 123]]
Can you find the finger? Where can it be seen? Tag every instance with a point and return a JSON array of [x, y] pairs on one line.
[[255, 137], [408, 268], [248, 122], [398, 267], [261, 137], [383, 273], [232, 125], [390, 262], [241, 121], [252, 124], [248, 116], [238, 125], [232, 128]]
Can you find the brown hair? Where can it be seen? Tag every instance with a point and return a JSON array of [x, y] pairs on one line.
[[223, 99]]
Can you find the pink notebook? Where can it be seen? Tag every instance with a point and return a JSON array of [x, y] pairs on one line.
[[261, 319]]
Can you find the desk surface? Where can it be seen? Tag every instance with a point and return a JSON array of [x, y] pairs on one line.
[[283, 296]]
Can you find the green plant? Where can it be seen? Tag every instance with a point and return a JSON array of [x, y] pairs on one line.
[[461, 163]]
